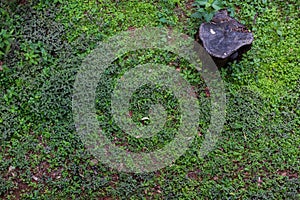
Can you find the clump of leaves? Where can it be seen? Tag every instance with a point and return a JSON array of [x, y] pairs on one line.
[[205, 9], [7, 33], [5, 42]]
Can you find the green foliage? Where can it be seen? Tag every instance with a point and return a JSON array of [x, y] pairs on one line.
[[144, 97], [5, 42], [6, 31], [270, 66], [41, 155], [205, 9]]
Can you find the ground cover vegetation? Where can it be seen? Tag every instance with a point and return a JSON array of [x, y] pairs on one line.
[[42, 45]]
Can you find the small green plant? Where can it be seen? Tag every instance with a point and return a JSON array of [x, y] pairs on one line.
[[205, 9], [5, 42]]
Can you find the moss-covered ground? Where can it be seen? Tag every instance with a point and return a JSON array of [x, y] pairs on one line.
[[42, 45]]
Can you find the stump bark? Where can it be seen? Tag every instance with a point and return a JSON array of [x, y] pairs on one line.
[[224, 38]]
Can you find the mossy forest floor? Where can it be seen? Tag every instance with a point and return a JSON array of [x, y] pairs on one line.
[[42, 45]]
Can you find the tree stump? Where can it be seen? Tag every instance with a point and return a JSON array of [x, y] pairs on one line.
[[224, 38]]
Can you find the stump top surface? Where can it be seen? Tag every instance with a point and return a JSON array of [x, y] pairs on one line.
[[224, 35]]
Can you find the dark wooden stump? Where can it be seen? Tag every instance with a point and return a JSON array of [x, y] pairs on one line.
[[224, 38]]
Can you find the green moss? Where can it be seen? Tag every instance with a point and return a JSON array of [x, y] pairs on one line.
[[256, 158]]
